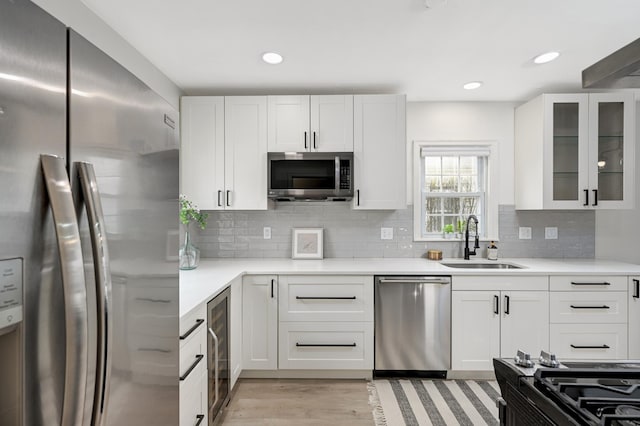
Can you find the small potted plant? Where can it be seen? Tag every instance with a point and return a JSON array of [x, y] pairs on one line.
[[460, 228], [189, 255], [448, 231]]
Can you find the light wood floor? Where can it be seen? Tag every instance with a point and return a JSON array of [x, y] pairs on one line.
[[299, 402]]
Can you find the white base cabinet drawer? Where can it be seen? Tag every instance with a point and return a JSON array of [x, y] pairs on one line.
[[193, 403], [587, 283], [317, 346], [588, 307], [589, 341], [326, 298]]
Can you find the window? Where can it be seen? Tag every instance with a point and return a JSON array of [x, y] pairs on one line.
[[452, 182]]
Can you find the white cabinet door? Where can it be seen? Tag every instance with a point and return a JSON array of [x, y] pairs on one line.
[[245, 153], [611, 150], [260, 322], [235, 334], [332, 123], [379, 146], [288, 128], [524, 323], [475, 329], [634, 317], [580, 146], [202, 150]]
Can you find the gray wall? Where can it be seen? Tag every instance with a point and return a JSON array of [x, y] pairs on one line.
[[355, 233]]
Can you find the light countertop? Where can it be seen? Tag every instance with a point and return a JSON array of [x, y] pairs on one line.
[[214, 275]]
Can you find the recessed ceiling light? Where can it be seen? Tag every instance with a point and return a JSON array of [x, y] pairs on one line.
[[472, 85], [546, 57], [272, 58]]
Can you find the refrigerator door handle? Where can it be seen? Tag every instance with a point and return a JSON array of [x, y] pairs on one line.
[[73, 283], [102, 271], [215, 360]]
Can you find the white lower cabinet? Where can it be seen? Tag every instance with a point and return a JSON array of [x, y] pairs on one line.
[[326, 345], [486, 324], [634, 317], [193, 368], [589, 317], [235, 335], [260, 322], [589, 341]]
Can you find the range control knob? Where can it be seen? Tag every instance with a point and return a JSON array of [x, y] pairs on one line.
[[523, 359], [548, 360]]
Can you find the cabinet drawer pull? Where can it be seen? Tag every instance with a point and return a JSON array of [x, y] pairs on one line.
[[496, 302], [636, 293], [314, 140], [357, 197], [228, 198], [199, 322], [595, 196], [148, 299], [580, 283], [326, 297], [305, 140], [590, 346], [328, 345], [163, 351], [272, 286], [199, 419], [219, 194], [190, 369], [506, 304], [589, 307]]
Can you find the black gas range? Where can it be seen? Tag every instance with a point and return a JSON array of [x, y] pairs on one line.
[[576, 393]]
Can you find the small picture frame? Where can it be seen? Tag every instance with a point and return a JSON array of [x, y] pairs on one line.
[[307, 243]]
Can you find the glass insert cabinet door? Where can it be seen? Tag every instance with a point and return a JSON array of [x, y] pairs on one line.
[[590, 152], [611, 150]]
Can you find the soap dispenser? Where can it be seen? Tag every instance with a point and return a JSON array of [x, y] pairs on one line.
[[492, 251]]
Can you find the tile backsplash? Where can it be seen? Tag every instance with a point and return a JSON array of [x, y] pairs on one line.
[[356, 233]]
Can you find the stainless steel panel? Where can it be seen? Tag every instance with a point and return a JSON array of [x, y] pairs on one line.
[[413, 323], [32, 122], [73, 283], [118, 124]]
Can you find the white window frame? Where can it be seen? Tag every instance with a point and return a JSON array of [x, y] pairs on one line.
[[457, 148]]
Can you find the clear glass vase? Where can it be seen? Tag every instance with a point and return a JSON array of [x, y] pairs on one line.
[[189, 255]]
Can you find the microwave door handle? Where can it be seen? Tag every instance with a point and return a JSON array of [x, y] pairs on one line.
[[102, 271], [65, 223], [337, 175]]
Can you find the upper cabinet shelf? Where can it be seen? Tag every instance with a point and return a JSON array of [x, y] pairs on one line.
[[310, 123], [575, 151]]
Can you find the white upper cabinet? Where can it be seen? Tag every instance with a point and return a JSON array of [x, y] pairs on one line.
[[311, 123], [245, 153], [202, 150], [379, 152], [224, 152], [575, 151]]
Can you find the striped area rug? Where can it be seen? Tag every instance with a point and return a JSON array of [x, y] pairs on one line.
[[412, 402]]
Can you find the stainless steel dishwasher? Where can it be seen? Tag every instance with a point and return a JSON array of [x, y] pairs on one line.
[[412, 326]]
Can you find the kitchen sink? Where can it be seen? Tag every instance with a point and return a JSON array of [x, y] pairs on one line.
[[481, 265]]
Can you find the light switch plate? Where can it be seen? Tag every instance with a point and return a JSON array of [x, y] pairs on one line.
[[524, 232], [551, 233], [266, 232], [386, 233]]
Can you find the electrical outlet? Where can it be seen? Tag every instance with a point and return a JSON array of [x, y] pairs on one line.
[[266, 232], [386, 233], [551, 233], [524, 233]]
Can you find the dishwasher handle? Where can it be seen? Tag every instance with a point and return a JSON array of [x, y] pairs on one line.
[[416, 280]]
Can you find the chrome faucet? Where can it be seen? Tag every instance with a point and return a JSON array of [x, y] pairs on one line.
[[468, 252]]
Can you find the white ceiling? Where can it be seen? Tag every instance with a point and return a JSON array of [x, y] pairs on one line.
[[381, 46]]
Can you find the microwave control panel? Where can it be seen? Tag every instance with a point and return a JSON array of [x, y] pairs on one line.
[[10, 292]]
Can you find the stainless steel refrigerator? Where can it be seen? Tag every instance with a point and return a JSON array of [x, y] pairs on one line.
[[88, 233]]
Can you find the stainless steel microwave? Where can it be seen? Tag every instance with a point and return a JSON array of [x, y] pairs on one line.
[[310, 176]]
